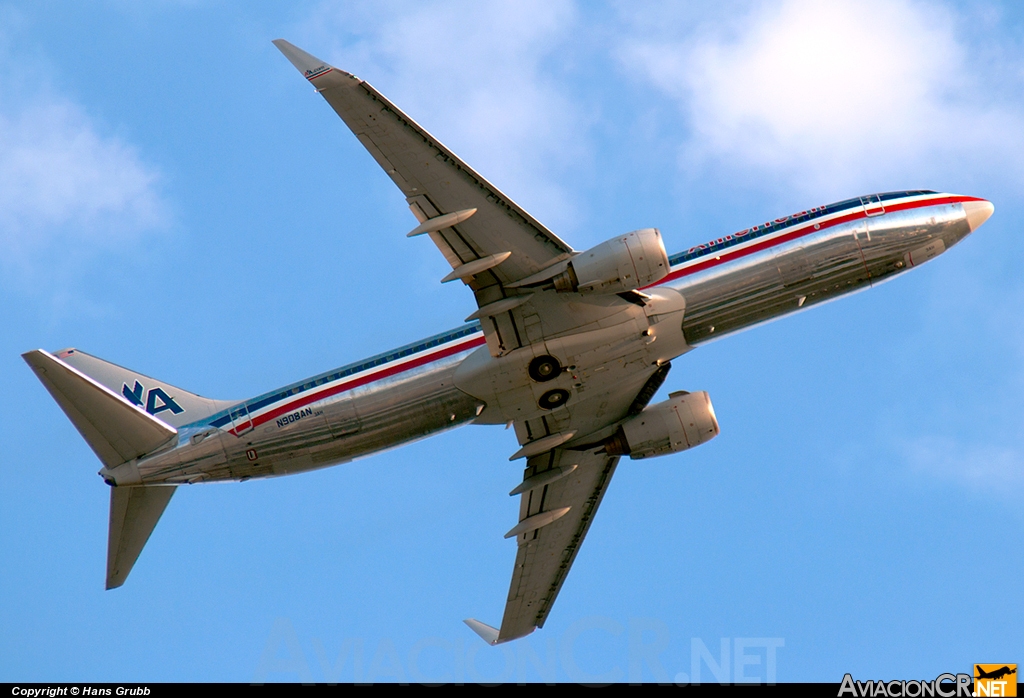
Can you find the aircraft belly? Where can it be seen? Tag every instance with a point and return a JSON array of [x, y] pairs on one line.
[[408, 408], [594, 362], [733, 297], [370, 418]]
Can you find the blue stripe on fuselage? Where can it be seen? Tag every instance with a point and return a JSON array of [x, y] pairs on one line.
[[267, 399], [714, 247]]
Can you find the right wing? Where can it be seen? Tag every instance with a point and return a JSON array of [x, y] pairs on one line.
[[565, 478], [479, 225], [561, 490]]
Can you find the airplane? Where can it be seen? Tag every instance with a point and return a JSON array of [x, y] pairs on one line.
[[996, 673], [567, 347]]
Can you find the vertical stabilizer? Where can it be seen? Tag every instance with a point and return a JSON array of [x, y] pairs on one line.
[[134, 512], [168, 403]]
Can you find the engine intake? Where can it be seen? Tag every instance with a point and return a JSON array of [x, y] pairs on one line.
[[624, 263], [683, 421]]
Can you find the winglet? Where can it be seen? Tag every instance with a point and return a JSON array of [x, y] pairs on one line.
[[310, 66], [489, 634]]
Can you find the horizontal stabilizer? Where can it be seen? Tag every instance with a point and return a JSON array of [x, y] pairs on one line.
[[134, 512], [115, 429]]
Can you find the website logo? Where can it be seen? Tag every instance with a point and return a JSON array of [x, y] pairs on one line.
[[995, 679]]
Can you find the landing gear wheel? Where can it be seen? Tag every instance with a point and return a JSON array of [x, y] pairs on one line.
[[544, 368], [553, 398]]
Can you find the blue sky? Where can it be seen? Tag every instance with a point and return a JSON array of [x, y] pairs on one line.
[[175, 198]]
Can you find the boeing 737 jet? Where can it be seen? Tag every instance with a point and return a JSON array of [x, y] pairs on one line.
[[568, 347]]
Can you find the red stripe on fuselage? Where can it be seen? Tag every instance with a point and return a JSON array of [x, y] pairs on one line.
[[726, 256], [806, 229], [362, 380]]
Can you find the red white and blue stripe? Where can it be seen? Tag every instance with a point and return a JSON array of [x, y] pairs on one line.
[[273, 405]]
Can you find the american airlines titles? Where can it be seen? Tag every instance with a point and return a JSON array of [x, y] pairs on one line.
[[755, 229]]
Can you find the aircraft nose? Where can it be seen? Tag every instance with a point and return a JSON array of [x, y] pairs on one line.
[[978, 212]]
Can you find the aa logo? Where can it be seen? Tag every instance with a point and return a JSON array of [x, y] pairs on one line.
[[995, 679], [156, 399]]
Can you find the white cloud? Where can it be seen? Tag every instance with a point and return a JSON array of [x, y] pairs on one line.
[[844, 93], [475, 75], [993, 470], [55, 168], [65, 188]]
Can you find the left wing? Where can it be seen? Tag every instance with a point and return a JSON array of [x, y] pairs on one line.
[[488, 239]]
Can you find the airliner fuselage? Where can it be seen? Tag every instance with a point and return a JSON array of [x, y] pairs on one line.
[[729, 284]]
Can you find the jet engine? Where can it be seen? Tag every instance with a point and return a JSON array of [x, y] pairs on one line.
[[683, 421], [624, 263]]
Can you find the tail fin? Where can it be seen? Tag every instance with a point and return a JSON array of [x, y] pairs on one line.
[[115, 429], [134, 512], [122, 415], [167, 403]]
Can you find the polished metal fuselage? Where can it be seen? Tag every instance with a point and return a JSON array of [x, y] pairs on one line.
[[412, 394], [811, 269], [382, 414]]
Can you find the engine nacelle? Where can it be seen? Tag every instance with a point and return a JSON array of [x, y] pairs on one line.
[[683, 421], [624, 263]]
